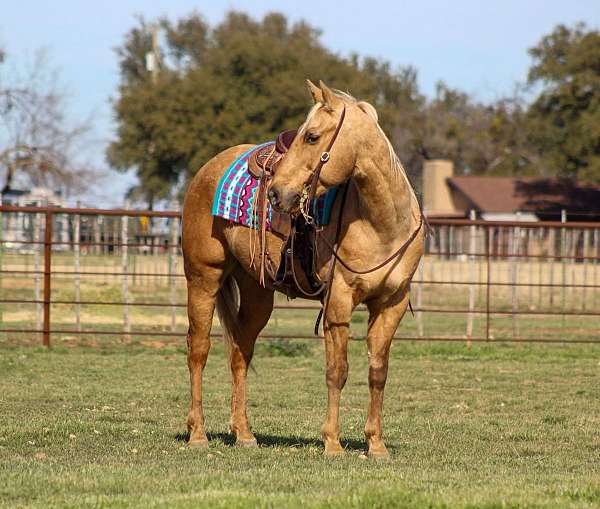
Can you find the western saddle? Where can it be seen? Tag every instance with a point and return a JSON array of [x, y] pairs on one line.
[[263, 165], [299, 250], [264, 161]]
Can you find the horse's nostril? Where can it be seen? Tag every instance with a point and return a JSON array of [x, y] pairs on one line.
[[273, 197]]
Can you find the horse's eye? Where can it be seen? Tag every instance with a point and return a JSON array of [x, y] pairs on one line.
[[312, 138]]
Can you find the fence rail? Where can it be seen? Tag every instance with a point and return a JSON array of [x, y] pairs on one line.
[[541, 276]]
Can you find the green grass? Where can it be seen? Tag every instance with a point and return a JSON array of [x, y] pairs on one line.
[[491, 427]]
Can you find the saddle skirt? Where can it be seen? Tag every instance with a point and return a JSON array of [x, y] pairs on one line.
[[241, 197], [237, 196]]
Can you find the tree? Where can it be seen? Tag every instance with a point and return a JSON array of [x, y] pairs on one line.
[[242, 81], [565, 117], [39, 146], [479, 138]]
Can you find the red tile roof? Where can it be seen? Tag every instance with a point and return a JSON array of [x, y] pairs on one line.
[[527, 194]]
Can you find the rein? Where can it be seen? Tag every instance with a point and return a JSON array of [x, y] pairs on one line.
[[310, 188], [336, 257], [394, 255], [308, 194]]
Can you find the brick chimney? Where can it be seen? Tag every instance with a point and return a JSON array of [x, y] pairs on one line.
[[436, 192]]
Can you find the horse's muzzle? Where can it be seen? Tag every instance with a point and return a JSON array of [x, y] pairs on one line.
[[283, 201]]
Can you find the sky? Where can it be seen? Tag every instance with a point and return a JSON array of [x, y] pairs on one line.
[[477, 46]]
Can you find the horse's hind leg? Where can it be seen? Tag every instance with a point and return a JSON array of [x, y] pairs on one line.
[[202, 292], [383, 321], [256, 305]]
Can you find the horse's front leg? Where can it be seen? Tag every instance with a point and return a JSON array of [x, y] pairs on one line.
[[336, 325], [383, 322]]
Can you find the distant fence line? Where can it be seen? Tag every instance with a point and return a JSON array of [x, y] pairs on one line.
[[483, 270]]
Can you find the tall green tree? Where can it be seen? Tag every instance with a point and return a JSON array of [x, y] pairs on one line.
[[242, 81], [565, 117], [479, 138]]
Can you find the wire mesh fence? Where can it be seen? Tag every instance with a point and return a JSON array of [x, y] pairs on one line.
[[92, 276]]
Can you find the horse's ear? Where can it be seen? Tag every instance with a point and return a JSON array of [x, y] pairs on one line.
[[315, 91], [329, 98]]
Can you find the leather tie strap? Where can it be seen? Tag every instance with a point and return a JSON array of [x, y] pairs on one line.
[[394, 255], [310, 189], [312, 184], [323, 160]]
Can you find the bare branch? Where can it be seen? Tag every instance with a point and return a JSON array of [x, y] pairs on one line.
[[39, 144]]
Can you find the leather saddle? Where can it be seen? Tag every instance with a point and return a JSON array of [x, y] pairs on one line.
[[264, 160], [263, 166]]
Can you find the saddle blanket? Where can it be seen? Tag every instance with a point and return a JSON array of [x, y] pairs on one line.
[[236, 195]]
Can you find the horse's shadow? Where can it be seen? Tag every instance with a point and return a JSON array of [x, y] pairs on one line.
[[265, 440]]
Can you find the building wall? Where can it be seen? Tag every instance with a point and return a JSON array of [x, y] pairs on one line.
[[19, 226]]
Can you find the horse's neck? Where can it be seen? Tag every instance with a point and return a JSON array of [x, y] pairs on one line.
[[385, 197]]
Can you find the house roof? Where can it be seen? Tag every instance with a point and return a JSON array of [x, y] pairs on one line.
[[527, 194]]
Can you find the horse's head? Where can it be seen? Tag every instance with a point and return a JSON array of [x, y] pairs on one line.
[[331, 112]]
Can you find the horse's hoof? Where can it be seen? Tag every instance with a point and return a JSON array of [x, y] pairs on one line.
[[250, 443], [379, 454], [334, 450], [198, 444]]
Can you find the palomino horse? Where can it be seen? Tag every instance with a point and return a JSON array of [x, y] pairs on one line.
[[380, 221]]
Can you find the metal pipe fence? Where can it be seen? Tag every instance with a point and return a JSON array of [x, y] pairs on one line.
[[81, 275]]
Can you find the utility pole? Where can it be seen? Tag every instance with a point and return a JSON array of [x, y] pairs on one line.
[[153, 56], [153, 66]]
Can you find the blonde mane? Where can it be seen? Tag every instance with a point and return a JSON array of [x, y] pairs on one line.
[[395, 163]]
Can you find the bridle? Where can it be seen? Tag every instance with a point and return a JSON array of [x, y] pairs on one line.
[[310, 186], [306, 198]]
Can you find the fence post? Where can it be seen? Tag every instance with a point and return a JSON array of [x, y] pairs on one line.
[[115, 236], [514, 273], [488, 281], [37, 267], [125, 268], [96, 228], [432, 239], [173, 267], [572, 254], [586, 248], [552, 235], [528, 251], [77, 261], [1, 253], [156, 259], [450, 251], [47, 276], [595, 266], [419, 316], [104, 232], [563, 261], [472, 239], [539, 276], [443, 249]]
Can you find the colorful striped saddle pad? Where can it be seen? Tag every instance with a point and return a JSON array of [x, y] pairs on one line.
[[235, 197]]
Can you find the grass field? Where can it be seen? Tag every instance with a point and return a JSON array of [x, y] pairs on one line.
[[491, 427]]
